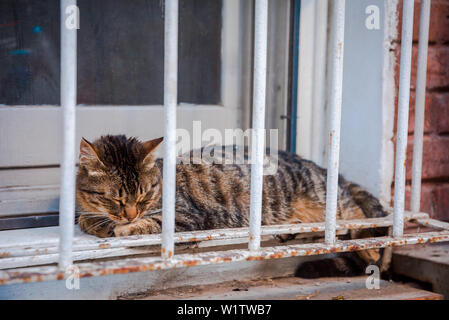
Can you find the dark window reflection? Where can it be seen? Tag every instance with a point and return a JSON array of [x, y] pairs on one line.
[[120, 52]]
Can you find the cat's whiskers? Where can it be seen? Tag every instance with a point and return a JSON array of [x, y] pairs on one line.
[[97, 224], [149, 213], [103, 214], [92, 216]]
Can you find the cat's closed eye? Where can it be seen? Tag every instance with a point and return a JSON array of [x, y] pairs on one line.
[[93, 192], [118, 202]]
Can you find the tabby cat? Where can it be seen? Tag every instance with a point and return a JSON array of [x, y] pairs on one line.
[[119, 188]]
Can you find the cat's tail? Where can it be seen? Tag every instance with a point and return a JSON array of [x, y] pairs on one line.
[[369, 204], [347, 264], [350, 263]]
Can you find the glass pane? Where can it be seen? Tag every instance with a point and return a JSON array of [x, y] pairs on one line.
[[120, 52], [200, 23], [29, 52]]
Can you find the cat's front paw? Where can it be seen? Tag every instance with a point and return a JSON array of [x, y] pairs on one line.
[[284, 237], [142, 226], [122, 230]]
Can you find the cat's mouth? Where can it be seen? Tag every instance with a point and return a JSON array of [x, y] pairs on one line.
[[124, 221], [121, 221]]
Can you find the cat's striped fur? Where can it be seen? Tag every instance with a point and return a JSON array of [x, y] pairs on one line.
[[119, 191]]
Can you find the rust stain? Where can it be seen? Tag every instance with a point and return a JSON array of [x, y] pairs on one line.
[[216, 257], [255, 258], [276, 255], [226, 259], [190, 263], [4, 254], [104, 245], [87, 275], [124, 270]]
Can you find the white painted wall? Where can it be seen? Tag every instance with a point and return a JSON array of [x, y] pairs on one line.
[[368, 99], [366, 153]]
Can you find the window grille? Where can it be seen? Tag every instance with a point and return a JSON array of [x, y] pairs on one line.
[[66, 250]]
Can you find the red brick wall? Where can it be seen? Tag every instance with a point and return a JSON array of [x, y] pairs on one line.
[[435, 175]]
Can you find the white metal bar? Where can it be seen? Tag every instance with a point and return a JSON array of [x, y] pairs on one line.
[[68, 104], [143, 264], [24, 254], [337, 47], [258, 135], [31, 256], [420, 105], [403, 109], [49, 245], [432, 223], [170, 102]]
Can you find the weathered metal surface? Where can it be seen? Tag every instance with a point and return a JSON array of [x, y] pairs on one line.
[[43, 259], [170, 102], [68, 104], [50, 247], [112, 287], [123, 266], [336, 96], [402, 122], [424, 21], [433, 224], [258, 134]]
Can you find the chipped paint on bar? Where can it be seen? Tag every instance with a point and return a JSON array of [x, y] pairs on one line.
[[123, 266], [32, 249]]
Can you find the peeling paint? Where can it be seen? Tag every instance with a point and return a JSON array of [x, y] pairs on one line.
[[123, 266]]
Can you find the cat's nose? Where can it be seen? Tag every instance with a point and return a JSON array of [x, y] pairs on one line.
[[130, 212]]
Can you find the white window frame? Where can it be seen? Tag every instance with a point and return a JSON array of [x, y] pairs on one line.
[[26, 252], [30, 138]]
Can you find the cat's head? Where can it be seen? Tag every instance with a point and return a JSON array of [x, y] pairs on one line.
[[118, 178]]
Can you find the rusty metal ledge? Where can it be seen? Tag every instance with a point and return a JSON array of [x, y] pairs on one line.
[[27, 248], [48, 273]]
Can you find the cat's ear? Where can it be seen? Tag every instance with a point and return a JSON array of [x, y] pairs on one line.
[[149, 146], [88, 152]]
